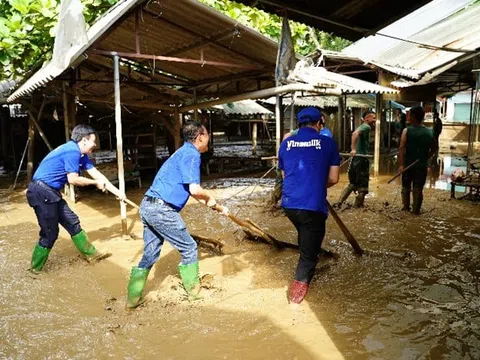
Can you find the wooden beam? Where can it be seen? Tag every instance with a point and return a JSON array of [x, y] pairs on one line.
[[172, 59], [139, 104], [204, 41]]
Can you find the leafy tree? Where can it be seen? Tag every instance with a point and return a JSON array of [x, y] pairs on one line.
[[27, 31], [305, 38]]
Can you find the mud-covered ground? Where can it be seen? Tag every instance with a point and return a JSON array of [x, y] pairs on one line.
[[414, 296]]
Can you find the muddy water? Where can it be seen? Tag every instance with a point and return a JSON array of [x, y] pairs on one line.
[[415, 296]]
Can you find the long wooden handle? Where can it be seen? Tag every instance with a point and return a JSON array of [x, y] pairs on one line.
[[115, 191], [346, 232], [400, 173]]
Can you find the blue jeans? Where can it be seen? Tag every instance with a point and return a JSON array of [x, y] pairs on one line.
[[51, 210], [160, 222]]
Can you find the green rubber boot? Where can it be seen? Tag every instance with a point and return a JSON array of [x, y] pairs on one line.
[[190, 279], [88, 251], [39, 258], [138, 278]]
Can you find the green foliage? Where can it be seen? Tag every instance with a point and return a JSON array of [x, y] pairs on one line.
[[271, 25], [27, 31]]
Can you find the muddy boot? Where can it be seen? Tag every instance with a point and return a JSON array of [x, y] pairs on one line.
[[39, 258], [345, 194], [406, 199], [298, 291], [360, 199], [138, 278], [190, 279], [417, 196], [88, 251]]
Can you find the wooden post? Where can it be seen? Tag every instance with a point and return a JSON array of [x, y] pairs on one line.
[[118, 123], [389, 123], [69, 188], [378, 130], [254, 138], [4, 115], [292, 112], [31, 150], [195, 111], [340, 136], [177, 125], [278, 123]]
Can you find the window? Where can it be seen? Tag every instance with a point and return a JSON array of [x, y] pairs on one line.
[[462, 113]]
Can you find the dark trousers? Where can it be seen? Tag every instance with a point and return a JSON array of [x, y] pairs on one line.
[[51, 210], [359, 173], [414, 178], [310, 226]]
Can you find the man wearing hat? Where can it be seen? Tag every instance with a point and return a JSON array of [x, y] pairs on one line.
[[310, 164], [359, 168], [313, 113]]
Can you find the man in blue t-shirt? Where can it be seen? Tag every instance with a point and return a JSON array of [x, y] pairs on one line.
[[60, 166], [310, 164], [310, 112], [177, 179]]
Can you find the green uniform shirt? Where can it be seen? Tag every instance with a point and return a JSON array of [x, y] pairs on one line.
[[363, 142], [419, 142]]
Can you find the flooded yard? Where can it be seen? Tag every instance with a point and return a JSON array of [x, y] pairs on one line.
[[415, 295]]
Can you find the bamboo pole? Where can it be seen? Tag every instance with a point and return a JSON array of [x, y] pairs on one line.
[[118, 126]]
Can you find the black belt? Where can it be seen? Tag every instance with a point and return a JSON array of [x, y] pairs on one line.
[[45, 186], [155, 200]]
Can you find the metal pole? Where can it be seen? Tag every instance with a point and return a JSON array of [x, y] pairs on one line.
[[118, 123]]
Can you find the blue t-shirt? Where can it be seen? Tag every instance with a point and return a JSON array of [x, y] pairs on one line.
[[172, 180], [306, 159], [61, 161], [326, 132]]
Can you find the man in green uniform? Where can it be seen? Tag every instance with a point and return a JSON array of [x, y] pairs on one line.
[[359, 169], [417, 143]]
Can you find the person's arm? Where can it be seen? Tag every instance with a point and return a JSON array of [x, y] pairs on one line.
[[77, 180], [333, 176], [97, 175], [206, 197], [401, 151], [287, 135], [355, 136]]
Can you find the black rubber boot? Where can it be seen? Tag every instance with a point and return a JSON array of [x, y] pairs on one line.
[[406, 199], [345, 194], [360, 199], [417, 196]]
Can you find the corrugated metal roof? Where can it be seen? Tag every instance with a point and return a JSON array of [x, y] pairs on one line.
[[318, 76], [454, 24], [186, 29], [354, 101], [245, 107], [51, 71]]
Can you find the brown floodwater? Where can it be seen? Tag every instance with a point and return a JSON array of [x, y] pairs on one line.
[[414, 296]]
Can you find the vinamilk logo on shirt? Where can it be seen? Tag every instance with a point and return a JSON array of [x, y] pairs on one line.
[[303, 144]]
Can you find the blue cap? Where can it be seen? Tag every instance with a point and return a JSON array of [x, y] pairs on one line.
[[309, 114]]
